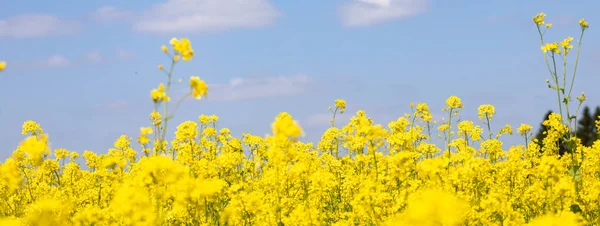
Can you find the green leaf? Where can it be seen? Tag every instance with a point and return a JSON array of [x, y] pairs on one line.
[[575, 172], [575, 208]]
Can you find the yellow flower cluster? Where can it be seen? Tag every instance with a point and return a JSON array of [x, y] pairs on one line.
[[182, 48], [158, 95], [391, 176], [361, 173]]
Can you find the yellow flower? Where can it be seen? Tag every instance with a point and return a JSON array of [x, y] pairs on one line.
[[164, 48], [506, 129], [584, 24], [204, 119], [2, 65], [539, 18], [582, 98], [199, 87], [454, 102], [183, 47], [32, 127], [160, 67], [564, 218], [285, 126], [548, 25], [36, 148], [524, 129], [486, 111], [155, 117], [159, 95], [143, 138], [434, 207], [423, 112], [552, 47], [340, 104], [566, 44]]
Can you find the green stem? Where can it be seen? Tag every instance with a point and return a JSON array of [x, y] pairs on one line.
[[166, 103], [179, 103], [487, 118], [449, 129], [333, 120], [553, 74], [557, 87], [576, 61]]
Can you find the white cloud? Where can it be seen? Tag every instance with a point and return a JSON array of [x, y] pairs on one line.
[[36, 25], [55, 61], [93, 57], [368, 12], [125, 55], [256, 88], [205, 15], [108, 13]]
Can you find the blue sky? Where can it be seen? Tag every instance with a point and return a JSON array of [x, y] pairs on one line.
[[84, 69]]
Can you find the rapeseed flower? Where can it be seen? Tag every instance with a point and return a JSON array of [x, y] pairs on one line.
[[159, 95], [199, 87], [584, 24], [539, 18]]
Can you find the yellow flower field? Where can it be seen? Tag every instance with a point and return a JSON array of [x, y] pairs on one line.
[[361, 173]]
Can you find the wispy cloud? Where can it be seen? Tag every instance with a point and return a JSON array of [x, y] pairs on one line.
[[93, 57], [56, 61], [257, 88], [205, 15], [125, 54], [36, 25], [53, 61], [368, 12], [111, 13]]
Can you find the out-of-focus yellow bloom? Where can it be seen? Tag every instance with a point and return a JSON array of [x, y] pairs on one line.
[[285, 126], [2, 65], [433, 207], [35, 148], [199, 87], [582, 98], [183, 47], [144, 132], [565, 218]]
